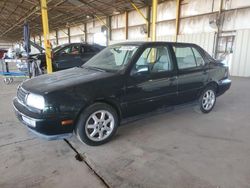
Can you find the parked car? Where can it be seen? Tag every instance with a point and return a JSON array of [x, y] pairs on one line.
[[122, 81], [70, 55]]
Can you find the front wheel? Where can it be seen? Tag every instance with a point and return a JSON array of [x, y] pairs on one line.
[[97, 124], [207, 99]]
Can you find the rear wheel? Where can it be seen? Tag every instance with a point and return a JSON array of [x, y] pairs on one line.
[[97, 124], [207, 99]]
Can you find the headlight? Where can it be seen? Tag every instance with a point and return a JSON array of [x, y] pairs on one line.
[[36, 101]]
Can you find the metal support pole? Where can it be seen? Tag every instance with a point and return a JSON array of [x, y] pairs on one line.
[[154, 19], [109, 31], [57, 41], [69, 35], [148, 18], [40, 40], [219, 28], [47, 45], [177, 21], [85, 33], [126, 25]]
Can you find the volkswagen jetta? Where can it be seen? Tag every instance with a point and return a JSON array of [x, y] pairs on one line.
[[124, 80]]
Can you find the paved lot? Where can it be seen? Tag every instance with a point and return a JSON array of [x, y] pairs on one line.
[[30, 162], [181, 148]]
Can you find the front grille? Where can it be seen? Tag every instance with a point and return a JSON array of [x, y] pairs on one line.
[[21, 94]]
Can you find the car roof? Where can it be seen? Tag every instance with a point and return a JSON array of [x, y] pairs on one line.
[[82, 43], [141, 43]]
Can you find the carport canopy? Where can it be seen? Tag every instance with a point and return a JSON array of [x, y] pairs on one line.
[[61, 14]]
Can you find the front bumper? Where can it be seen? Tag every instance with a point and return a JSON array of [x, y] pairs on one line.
[[49, 128], [224, 85]]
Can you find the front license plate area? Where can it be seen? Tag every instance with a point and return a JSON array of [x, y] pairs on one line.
[[30, 122]]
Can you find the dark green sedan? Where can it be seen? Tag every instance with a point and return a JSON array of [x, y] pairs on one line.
[[122, 81]]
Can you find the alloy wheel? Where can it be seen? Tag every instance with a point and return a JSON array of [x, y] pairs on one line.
[[208, 100], [99, 125]]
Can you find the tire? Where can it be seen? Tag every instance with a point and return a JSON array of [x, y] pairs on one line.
[[97, 124], [207, 99]]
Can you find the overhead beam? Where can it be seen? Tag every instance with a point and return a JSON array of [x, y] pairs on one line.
[[34, 9], [102, 22], [20, 21], [78, 3], [139, 11]]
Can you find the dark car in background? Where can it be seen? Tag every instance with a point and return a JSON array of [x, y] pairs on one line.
[[122, 81], [70, 55]]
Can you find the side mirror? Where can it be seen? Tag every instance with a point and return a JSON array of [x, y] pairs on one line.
[[62, 53], [140, 70], [143, 69]]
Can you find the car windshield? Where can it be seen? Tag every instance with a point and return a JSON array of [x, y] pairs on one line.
[[113, 58]]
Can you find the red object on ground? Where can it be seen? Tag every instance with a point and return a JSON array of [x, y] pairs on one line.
[[2, 53]]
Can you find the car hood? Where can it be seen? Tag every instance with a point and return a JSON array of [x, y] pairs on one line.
[[62, 79]]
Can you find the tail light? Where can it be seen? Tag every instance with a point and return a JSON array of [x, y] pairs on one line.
[[226, 73]]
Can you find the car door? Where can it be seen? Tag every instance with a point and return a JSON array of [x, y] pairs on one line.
[[68, 57], [152, 82], [87, 52], [192, 72]]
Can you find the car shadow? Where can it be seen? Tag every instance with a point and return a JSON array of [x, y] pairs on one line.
[[153, 118]]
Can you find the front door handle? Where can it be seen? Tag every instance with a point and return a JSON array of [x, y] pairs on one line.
[[173, 78]]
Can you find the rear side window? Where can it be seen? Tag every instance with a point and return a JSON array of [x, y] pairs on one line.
[[188, 57], [72, 49], [199, 59], [87, 49]]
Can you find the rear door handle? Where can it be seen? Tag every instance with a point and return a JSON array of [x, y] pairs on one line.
[[205, 72]]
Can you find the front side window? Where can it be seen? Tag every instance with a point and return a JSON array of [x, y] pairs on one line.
[[66, 50], [155, 59], [113, 58], [74, 49], [58, 48]]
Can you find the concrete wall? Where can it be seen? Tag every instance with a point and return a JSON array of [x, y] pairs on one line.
[[206, 40], [241, 56]]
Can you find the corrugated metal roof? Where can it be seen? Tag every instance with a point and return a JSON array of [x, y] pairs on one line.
[[61, 13]]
